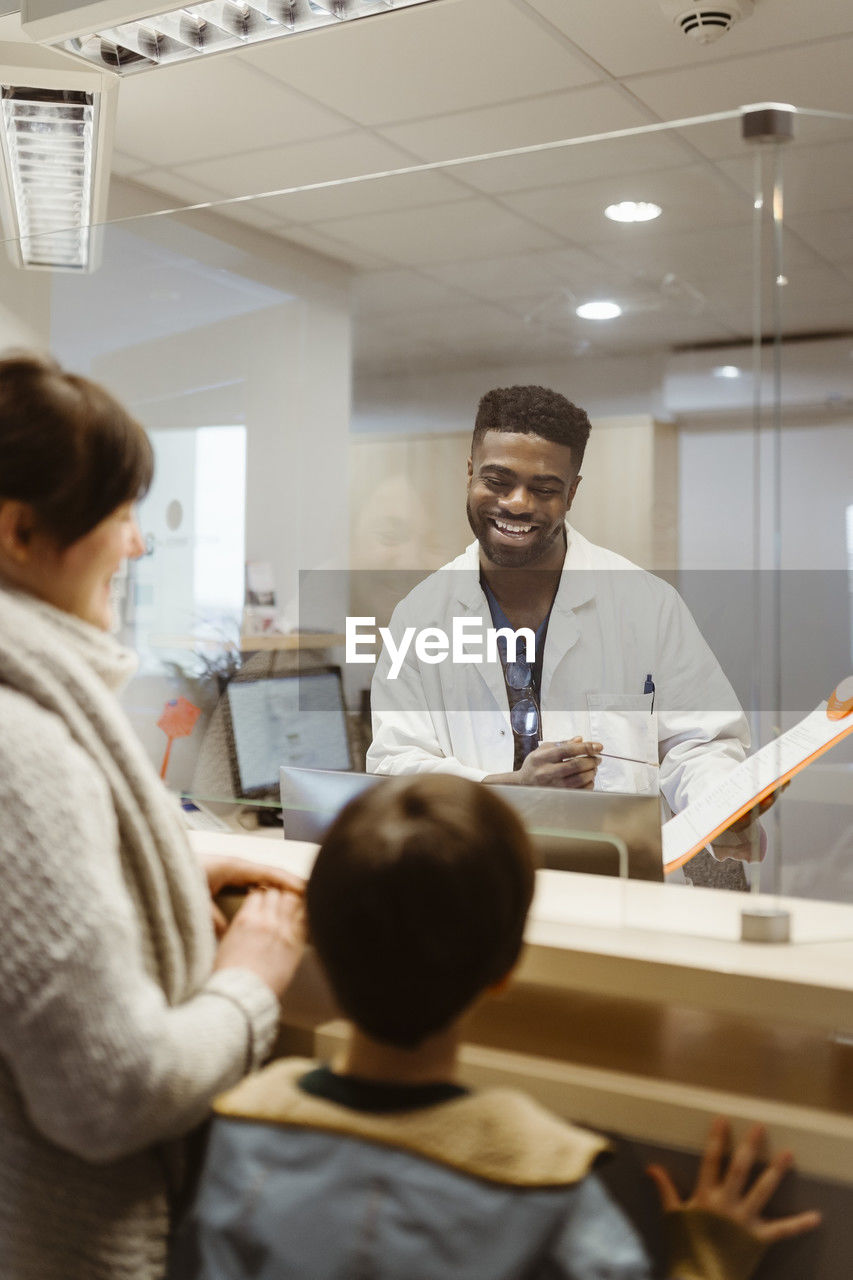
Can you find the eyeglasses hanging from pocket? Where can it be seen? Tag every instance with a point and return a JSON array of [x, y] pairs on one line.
[[524, 716]]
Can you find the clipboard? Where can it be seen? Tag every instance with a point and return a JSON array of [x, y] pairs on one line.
[[688, 832]]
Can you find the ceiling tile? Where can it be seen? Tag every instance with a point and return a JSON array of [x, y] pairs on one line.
[[702, 257], [216, 107], [730, 298], [531, 276], [350, 254], [816, 75], [690, 197], [479, 335], [639, 37], [829, 233], [126, 166], [450, 325], [582, 163], [378, 195], [813, 178], [811, 315], [399, 66], [443, 233], [730, 295], [177, 192], [808, 286], [274, 168], [543, 118], [381, 293], [474, 331], [251, 214], [649, 330]]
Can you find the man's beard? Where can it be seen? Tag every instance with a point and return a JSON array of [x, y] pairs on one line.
[[508, 557]]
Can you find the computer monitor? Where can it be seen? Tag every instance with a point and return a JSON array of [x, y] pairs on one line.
[[298, 718], [311, 799]]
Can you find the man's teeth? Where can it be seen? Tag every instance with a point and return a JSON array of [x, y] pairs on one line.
[[513, 528]]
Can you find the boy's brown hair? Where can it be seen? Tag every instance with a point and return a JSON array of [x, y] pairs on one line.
[[417, 903]]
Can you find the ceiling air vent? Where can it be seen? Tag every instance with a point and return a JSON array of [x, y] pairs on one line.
[[705, 22]]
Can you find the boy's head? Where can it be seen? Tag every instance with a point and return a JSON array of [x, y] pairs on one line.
[[417, 903]]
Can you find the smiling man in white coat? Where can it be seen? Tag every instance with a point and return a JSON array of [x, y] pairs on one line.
[[611, 685]]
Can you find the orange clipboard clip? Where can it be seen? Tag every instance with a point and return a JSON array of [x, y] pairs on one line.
[[840, 702]]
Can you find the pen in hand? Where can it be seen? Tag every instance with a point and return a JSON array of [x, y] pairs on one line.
[[628, 759], [608, 755]]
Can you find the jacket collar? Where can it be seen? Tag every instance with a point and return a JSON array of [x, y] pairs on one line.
[[498, 1135]]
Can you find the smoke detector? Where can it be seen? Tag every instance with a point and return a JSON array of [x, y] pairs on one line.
[[706, 20]]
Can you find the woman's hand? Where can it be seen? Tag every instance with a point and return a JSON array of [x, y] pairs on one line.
[[236, 873], [726, 1193], [266, 936]]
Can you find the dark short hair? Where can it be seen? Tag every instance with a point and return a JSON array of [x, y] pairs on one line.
[[534, 411], [67, 447], [417, 903]]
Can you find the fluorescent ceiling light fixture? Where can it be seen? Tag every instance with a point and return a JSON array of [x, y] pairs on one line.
[[55, 139], [632, 211], [598, 311], [726, 371], [128, 37]]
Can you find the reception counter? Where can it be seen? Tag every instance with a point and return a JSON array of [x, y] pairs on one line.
[[637, 1010]]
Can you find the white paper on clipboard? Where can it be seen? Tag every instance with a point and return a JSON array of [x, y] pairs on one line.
[[704, 819]]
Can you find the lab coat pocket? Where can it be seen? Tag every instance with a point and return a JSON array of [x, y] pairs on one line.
[[626, 725]]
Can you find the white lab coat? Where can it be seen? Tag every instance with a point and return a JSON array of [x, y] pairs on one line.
[[611, 625]]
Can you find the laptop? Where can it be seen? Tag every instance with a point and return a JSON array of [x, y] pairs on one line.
[[589, 831]]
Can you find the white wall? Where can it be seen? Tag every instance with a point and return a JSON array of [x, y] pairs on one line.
[[24, 306]]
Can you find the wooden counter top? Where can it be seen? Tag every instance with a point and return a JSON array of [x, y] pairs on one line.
[[659, 942]]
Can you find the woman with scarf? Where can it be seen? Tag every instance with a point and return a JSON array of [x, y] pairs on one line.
[[120, 1017]]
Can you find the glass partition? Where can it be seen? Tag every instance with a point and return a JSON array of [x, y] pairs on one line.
[[310, 383]]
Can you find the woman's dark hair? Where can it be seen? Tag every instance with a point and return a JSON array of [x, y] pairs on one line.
[[417, 903], [67, 447]]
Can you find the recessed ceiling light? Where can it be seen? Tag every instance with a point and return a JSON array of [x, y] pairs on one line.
[[632, 211], [598, 311], [726, 371]]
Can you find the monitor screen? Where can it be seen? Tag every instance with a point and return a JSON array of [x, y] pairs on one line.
[[298, 719]]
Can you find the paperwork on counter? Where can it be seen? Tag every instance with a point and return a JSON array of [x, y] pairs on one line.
[[703, 820]]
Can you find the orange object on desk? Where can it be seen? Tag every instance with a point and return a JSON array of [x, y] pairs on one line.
[[177, 721]]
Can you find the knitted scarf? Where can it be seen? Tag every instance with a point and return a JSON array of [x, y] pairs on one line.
[[74, 670]]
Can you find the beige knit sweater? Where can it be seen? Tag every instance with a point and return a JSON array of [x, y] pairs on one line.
[[114, 1036]]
